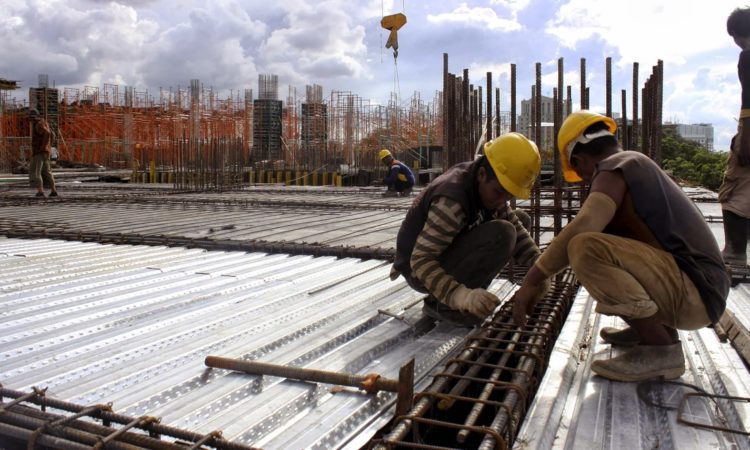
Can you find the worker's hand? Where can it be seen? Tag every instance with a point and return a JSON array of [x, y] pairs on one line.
[[477, 302], [525, 299]]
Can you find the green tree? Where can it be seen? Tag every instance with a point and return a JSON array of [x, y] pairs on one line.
[[691, 162]]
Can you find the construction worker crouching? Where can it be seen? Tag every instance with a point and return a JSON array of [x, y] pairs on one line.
[[400, 179], [460, 231], [639, 246]]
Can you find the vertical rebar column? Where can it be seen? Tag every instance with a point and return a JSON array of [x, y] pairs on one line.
[[659, 90], [513, 124], [634, 129], [447, 144], [498, 119], [609, 86], [489, 106], [646, 117], [558, 118], [624, 126], [465, 130], [537, 138], [584, 103]]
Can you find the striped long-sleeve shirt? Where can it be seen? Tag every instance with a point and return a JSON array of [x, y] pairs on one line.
[[445, 220]]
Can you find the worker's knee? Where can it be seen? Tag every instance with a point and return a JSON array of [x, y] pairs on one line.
[[523, 217], [496, 237], [586, 250]]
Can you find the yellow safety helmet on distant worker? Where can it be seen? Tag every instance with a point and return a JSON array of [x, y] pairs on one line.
[[515, 161], [384, 154], [571, 133]]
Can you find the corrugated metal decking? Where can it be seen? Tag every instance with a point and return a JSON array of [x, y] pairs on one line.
[[132, 324], [575, 409]]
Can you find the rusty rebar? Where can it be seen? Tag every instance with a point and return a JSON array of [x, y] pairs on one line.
[[370, 383], [111, 417]]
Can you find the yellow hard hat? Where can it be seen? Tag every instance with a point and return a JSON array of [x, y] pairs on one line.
[[384, 153], [515, 161], [572, 129]]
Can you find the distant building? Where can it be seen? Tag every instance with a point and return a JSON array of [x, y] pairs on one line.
[[526, 119], [702, 133]]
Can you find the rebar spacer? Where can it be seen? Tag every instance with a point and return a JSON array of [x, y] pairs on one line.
[[368, 385]]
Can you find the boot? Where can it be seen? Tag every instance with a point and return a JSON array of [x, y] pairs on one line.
[[735, 239], [643, 362], [620, 336], [628, 336]]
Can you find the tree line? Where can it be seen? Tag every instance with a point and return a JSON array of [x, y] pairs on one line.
[[690, 162]]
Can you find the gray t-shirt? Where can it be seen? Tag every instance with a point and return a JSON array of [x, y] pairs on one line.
[[676, 223]]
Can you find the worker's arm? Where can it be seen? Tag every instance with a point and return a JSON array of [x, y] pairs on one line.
[[743, 150], [525, 250], [607, 193], [445, 219], [392, 176], [743, 155]]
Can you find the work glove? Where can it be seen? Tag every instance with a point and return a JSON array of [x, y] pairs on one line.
[[477, 302]]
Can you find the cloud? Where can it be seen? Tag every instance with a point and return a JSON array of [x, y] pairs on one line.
[[71, 44], [645, 29], [477, 17], [317, 39], [215, 44]]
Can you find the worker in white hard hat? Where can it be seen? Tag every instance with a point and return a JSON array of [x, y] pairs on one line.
[[400, 179], [639, 246], [460, 231]]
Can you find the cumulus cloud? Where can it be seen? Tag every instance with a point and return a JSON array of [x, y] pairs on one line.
[[317, 40], [645, 29], [71, 44], [477, 17], [216, 45]]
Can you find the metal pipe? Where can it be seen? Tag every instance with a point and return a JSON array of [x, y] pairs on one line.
[[370, 383]]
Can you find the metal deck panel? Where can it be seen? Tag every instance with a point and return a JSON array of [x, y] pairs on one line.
[[136, 334], [576, 409]]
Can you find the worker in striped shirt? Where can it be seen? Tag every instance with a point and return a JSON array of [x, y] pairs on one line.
[[460, 231]]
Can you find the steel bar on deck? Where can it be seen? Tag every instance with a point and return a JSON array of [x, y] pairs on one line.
[[69, 433], [370, 383], [124, 419]]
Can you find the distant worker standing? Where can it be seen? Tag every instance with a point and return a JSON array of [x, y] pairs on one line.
[[40, 173], [639, 246], [400, 178], [734, 194], [460, 231]]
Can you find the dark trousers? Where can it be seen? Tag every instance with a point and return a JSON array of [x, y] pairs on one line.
[[400, 186], [476, 257]]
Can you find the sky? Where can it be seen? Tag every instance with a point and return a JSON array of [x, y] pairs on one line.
[[339, 44]]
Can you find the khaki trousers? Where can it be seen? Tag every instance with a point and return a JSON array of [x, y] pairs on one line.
[[40, 174], [634, 280]]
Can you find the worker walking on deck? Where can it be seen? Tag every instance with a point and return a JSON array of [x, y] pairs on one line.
[[460, 231], [39, 166], [734, 194], [639, 246], [400, 179]]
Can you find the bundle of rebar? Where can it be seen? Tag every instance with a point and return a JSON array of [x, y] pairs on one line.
[[24, 418], [480, 398]]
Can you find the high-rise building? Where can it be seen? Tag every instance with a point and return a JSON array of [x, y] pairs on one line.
[[702, 133], [526, 120]]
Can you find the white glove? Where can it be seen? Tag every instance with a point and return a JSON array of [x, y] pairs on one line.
[[477, 302]]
